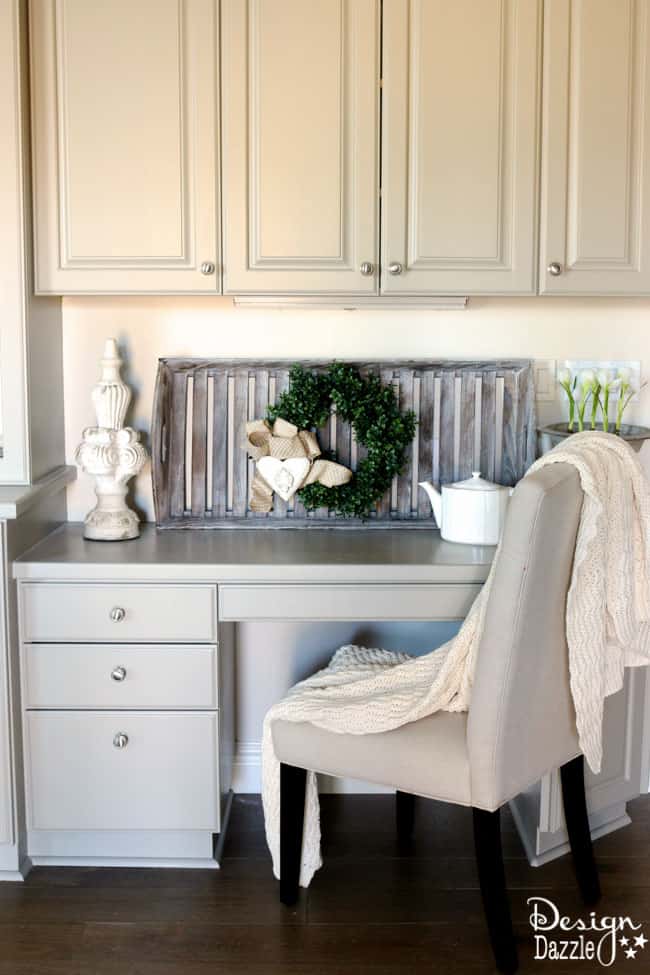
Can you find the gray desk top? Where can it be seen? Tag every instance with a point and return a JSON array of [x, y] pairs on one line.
[[227, 555]]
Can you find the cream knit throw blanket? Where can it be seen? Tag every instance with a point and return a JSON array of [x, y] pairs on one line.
[[365, 691]]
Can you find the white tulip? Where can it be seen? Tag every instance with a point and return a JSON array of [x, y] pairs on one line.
[[604, 377], [564, 377], [587, 377], [624, 374]]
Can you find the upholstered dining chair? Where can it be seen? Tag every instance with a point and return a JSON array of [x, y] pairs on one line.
[[520, 724]]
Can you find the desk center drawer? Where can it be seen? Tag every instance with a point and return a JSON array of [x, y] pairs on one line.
[[82, 675], [84, 613], [346, 602]]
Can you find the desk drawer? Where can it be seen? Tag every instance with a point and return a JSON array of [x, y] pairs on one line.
[[165, 777], [84, 613], [344, 602], [79, 675]]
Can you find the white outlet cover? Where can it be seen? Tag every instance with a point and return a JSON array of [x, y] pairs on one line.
[[545, 380], [576, 366]]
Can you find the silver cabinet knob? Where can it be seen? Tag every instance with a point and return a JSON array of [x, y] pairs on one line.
[[118, 674], [395, 268], [367, 268], [117, 614], [555, 269], [120, 740], [207, 267]]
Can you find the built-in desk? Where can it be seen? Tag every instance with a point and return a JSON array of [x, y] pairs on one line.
[[283, 574], [126, 671], [260, 556]]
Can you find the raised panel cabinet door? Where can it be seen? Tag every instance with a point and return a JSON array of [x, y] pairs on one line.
[[300, 146], [459, 146], [595, 230], [125, 129]]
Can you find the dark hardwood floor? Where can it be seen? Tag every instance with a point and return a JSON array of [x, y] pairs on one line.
[[374, 908]]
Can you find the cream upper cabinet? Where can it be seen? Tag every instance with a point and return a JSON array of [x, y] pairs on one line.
[[460, 146], [32, 442], [300, 102], [595, 233], [124, 131]]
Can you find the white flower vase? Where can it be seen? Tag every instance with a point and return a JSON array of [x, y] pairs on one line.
[[551, 435], [112, 453]]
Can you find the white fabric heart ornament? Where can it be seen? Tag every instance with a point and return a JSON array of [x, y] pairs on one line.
[[285, 477]]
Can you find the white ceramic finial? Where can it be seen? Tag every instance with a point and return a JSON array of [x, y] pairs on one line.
[[111, 396], [112, 453]]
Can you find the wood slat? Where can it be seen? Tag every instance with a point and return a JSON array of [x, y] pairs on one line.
[[478, 405], [425, 441], [447, 414], [467, 420], [219, 443], [160, 435], [437, 411], [240, 459], [383, 507], [487, 420], [199, 441], [177, 445], [499, 408], [405, 481], [281, 384], [509, 424], [260, 406]]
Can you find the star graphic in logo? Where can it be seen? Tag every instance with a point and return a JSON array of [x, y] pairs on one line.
[[630, 953], [623, 941], [640, 941]]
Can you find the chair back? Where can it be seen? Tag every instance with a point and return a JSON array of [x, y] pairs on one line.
[[521, 721]]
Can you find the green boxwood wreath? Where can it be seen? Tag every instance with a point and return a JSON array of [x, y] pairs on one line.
[[376, 418]]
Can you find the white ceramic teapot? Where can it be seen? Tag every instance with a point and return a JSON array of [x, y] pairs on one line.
[[471, 511]]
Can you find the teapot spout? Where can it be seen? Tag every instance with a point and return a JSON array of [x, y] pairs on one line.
[[436, 500]]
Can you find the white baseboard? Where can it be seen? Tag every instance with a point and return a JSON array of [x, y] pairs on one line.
[[556, 844], [13, 865], [247, 775], [162, 863]]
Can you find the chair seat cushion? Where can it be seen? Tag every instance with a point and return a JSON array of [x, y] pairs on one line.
[[427, 757]]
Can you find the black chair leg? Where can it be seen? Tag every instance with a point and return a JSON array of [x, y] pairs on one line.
[[577, 823], [292, 815], [404, 815], [492, 878]]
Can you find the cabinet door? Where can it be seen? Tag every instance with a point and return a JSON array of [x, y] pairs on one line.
[[125, 146], [300, 145], [596, 153], [460, 137]]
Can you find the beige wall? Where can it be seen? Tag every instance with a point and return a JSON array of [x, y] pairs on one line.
[[147, 328]]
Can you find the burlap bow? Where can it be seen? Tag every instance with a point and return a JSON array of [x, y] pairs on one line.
[[284, 441]]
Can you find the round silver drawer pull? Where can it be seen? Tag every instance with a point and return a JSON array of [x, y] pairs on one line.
[[395, 268], [118, 674], [117, 614], [121, 740], [555, 269], [367, 268], [207, 267]]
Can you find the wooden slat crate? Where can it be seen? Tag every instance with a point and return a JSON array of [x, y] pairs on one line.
[[471, 416]]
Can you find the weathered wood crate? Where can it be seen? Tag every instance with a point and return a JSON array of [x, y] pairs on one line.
[[471, 416]]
